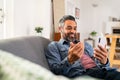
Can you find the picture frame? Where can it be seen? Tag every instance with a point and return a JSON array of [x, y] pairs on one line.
[[77, 13]]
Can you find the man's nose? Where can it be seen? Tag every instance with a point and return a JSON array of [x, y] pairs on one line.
[[73, 31]]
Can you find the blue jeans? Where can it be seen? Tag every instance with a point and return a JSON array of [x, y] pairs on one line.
[[103, 74]]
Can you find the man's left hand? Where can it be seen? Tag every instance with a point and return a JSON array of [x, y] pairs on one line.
[[101, 54]]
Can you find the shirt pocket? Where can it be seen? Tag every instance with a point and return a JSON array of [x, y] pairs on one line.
[[63, 52]]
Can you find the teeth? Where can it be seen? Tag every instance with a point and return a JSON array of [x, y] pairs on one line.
[[72, 35]]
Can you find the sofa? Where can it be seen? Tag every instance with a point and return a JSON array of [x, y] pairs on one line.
[[23, 58]]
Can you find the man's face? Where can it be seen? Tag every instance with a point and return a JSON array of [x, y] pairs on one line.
[[69, 30]]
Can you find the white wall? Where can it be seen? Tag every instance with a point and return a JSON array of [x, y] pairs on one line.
[[31, 13], [1, 19], [96, 18], [8, 18], [93, 18], [26, 14]]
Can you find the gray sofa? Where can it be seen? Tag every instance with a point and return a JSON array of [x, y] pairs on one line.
[[31, 48]]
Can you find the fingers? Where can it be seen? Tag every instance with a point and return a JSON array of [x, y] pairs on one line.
[[78, 45], [101, 54], [102, 48], [81, 53], [71, 44], [76, 50]]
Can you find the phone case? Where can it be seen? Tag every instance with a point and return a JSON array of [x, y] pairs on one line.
[[101, 40]]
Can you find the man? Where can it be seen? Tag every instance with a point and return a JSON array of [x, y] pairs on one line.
[[75, 59]]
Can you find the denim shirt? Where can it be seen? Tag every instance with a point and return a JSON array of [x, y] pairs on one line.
[[56, 56]]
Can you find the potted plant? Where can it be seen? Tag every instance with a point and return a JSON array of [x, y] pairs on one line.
[[93, 34], [39, 29]]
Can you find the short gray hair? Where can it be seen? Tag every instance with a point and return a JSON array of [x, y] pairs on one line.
[[64, 18]]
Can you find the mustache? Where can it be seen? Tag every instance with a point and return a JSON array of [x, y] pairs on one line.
[[72, 33], [75, 34], [72, 38]]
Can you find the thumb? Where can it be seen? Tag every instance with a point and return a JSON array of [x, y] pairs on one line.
[[71, 44], [105, 45]]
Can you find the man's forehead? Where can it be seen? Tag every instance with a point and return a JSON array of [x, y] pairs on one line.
[[70, 22]]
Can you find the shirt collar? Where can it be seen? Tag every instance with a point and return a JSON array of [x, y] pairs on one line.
[[63, 41]]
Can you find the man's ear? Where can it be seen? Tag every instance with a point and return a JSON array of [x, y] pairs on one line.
[[60, 29]]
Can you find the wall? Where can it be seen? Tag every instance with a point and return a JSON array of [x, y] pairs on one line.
[[92, 17], [1, 19], [87, 15], [31, 13], [25, 15], [96, 18]]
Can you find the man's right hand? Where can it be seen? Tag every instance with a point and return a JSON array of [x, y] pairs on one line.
[[75, 51]]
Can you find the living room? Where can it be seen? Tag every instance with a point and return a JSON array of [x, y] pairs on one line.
[[20, 17]]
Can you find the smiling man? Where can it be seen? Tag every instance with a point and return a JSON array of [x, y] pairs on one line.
[[72, 58]]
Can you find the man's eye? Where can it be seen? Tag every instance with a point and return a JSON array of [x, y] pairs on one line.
[[69, 27]]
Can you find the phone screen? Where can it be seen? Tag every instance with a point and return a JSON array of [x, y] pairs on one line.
[[101, 41]]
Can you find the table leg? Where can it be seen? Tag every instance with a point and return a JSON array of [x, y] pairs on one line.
[[112, 51]]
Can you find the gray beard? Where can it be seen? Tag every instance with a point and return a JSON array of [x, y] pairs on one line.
[[70, 39], [67, 38]]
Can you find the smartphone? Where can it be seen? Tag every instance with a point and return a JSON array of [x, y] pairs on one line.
[[76, 41], [101, 40]]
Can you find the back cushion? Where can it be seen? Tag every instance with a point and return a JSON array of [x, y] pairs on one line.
[[30, 48]]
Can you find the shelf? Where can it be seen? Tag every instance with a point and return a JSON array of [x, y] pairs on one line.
[[57, 36]]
